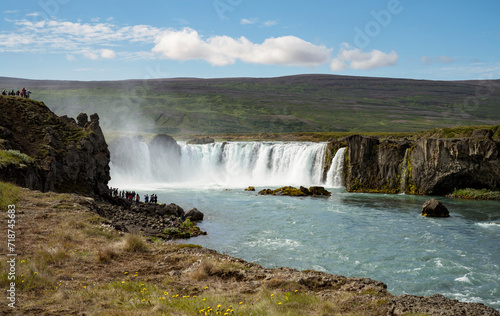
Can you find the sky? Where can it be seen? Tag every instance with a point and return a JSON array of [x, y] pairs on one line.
[[126, 39]]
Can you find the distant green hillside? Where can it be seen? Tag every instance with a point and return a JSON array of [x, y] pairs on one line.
[[304, 103]]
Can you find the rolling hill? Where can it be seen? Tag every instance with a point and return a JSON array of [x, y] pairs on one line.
[[302, 103]]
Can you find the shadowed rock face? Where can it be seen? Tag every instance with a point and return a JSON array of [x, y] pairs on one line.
[[422, 166], [441, 165], [62, 155]]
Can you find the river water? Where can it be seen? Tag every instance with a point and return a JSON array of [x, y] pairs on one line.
[[383, 237]]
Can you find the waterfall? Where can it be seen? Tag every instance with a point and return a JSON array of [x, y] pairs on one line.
[[404, 173], [228, 164], [334, 175]]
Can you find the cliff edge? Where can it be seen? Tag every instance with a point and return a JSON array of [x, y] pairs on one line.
[[42, 151], [430, 163]]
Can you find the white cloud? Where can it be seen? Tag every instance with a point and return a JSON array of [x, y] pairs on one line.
[[249, 21], [105, 40], [33, 14], [108, 54], [91, 55], [90, 40], [269, 23], [357, 59], [187, 44]]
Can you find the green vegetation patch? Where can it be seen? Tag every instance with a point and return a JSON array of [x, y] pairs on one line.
[[9, 195], [13, 157], [475, 194], [308, 103]]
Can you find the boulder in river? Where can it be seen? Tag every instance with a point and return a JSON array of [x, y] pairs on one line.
[[194, 215], [434, 208]]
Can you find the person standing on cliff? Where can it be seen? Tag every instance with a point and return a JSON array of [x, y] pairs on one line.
[[137, 199]]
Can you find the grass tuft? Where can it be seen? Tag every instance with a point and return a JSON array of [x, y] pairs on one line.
[[135, 243], [107, 254]]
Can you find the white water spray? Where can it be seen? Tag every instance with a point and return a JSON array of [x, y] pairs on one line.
[[334, 175], [231, 164]]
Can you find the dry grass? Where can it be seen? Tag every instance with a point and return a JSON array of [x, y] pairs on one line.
[[107, 254], [70, 262], [134, 243]]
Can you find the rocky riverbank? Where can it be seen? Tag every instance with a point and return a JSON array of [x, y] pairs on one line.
[[71, 261], [149, 219]]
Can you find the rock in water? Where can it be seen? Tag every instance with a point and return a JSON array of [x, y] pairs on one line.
[[434, 208], [194, 215], [319, 191]]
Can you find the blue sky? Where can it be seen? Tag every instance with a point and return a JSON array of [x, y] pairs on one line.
[[114, 40]]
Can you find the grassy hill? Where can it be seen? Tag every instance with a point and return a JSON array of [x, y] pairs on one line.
[[303, 103]]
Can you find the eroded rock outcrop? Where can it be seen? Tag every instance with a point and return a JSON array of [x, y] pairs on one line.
[[60, 154], [420, 165], [440, 165]]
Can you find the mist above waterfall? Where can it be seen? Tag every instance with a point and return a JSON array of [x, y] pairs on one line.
[[224, 164]]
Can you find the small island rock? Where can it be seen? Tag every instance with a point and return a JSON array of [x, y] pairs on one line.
[[291, 191], [434, 208]]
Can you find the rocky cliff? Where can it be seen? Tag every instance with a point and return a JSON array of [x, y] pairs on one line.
[[42, 151], [423, 164]]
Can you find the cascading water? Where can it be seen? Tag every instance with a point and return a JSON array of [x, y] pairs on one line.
[[404, 173], [334, 175], [229, 164]]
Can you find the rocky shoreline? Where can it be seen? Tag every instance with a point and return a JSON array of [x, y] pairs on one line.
[[164, 221], [105, 268]]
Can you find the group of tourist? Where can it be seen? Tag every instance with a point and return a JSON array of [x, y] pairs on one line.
[[151, 199], [23, 93], [132, 196]]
